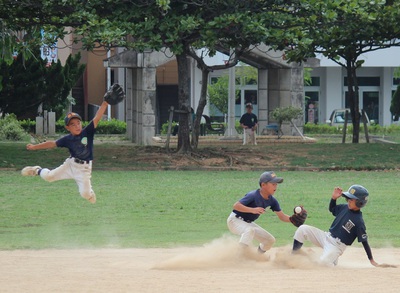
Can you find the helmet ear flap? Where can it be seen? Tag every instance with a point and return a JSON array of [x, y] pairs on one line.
[[360, 203]]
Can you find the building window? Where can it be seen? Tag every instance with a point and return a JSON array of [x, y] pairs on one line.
[[314, 81], [366, 81]]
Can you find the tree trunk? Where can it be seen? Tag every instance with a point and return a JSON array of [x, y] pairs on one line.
[[184, 109], [353, 96], [200, 109]]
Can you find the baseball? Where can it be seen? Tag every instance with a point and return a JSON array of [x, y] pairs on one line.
[[297, 210]]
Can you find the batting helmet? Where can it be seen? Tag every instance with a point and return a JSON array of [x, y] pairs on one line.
[[359, 193]]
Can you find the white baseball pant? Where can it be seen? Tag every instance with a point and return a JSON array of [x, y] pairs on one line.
[[332, 247], [249, 136], [81, 173], [250, 231]]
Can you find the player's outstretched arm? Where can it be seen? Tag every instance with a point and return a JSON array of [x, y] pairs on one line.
[[100, 112], [283, 217], [41, 146]]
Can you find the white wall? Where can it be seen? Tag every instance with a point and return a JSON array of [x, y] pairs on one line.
[[381, 58]]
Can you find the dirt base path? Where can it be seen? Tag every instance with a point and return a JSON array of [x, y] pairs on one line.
[[215, 267]]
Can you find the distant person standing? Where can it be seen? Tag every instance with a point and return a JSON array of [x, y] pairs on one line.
[[249, 123]]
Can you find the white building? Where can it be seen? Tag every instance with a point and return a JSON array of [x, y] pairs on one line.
[[376, 86]]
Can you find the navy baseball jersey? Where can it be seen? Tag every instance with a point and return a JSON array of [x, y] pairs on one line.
[[254, 199], [348, 224], [248, 119], [79, 146]]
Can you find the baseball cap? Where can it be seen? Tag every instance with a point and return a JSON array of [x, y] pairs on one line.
[[71, 115], [249, 105], [270, 177]]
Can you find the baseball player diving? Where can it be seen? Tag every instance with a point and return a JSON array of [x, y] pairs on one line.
[[79, 142]]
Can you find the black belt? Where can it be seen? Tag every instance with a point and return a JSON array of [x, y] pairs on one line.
[[79, 161], [239, 217]]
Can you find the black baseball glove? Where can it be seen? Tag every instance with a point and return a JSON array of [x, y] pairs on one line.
[[114, 95], [298, 219]]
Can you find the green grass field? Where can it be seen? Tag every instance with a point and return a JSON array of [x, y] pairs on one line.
[[176, 208]]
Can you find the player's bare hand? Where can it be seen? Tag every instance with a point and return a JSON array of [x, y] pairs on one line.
[[258, 211], [337, 192], [29, 147], [382, 265]]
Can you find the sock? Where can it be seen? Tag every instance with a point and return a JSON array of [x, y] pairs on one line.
[[297, 245]]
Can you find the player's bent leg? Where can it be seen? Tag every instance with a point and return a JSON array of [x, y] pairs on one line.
[[86, 191], [242, 228], [330, 256], [83, 175], [266, 239], [60, 173], [310, 233], [332, 250], [248, 236]]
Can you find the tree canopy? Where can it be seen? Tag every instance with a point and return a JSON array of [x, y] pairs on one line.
[[26, 84]]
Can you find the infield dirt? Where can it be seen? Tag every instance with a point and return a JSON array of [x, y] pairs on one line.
[[214, 267]]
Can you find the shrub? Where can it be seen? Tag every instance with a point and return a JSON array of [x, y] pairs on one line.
[[311, 128], [113, 126], [164, 127], [28, 125], [10, 129]]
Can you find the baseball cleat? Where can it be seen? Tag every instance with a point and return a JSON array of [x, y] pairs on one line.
[[30, 171]]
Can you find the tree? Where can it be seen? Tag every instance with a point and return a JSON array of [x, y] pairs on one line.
[[343, 31], [288, 114], [218, 90], [28, 83], [184, 27]]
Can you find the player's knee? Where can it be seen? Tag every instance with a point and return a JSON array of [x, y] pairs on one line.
[[300, 233], [47, 175], [251, 232], [267, 245]]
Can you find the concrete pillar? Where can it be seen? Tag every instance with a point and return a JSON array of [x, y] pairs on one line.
[[129, 104], [286, 88], [140, 105], [263, 109], [39, 125], [45, 122], [148, 105], [385, 116], [51, 119]]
